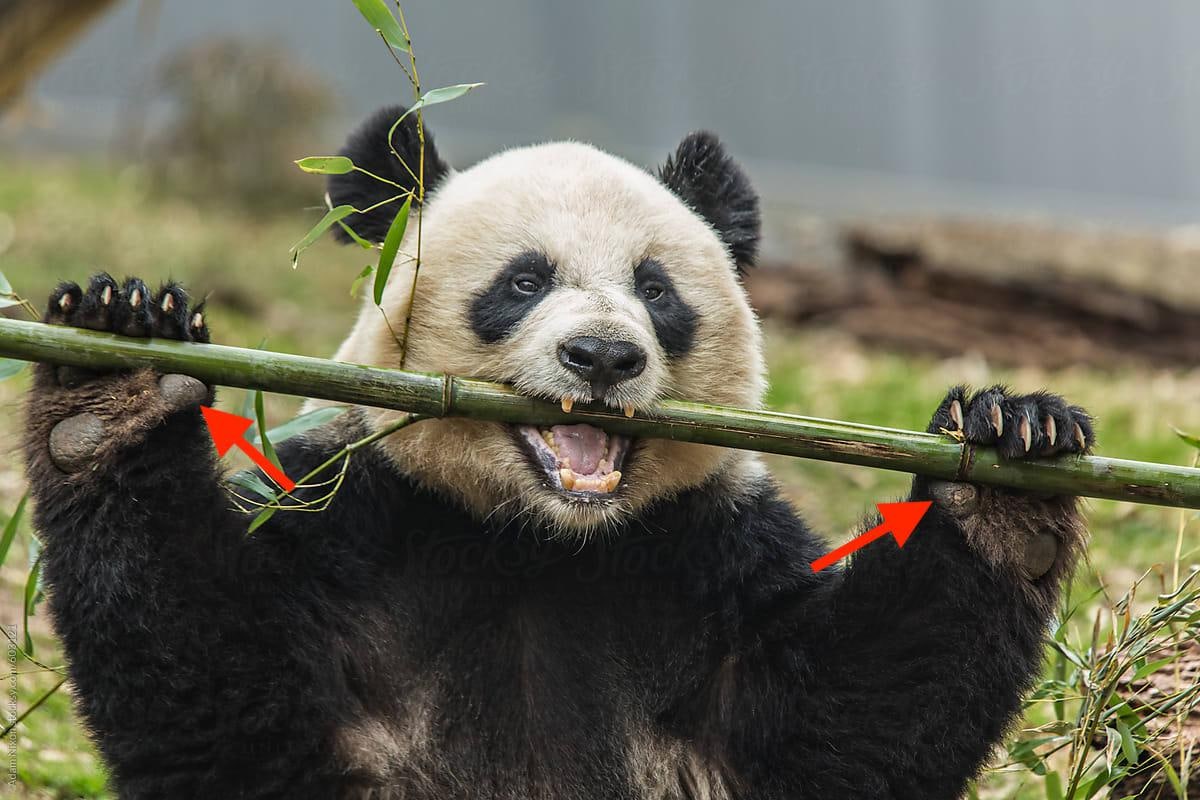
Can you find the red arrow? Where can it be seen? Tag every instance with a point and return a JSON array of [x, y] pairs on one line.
[[228, 430], [899, 519]]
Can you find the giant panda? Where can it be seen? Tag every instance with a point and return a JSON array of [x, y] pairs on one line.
[[505, 611]]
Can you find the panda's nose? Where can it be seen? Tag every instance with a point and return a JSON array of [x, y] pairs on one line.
[[603, 363]]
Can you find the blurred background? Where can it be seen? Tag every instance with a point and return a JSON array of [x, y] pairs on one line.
[[952, 191]]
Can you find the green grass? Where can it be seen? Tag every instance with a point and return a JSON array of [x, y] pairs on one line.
[[69, 219]]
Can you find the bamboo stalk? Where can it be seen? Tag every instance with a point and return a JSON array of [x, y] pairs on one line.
[[771, 432]]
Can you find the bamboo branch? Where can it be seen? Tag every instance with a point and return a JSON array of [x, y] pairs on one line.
[[928, 454]]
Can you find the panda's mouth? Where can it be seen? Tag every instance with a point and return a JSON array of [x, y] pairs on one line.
[[581, 461]]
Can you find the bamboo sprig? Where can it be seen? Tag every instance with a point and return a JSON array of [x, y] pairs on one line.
[[433, 395]]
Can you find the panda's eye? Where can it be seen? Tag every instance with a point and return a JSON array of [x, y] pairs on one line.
[[653, 291], [527, 284]]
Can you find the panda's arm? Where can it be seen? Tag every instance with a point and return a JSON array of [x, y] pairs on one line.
[[188, 649], [898, 673]]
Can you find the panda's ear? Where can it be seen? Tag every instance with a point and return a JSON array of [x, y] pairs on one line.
[[368, 148], [704, 177]]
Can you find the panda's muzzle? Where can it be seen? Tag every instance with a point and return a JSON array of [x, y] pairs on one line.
[[581, 461]]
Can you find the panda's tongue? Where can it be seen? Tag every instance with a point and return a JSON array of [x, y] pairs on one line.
[[582, 445]]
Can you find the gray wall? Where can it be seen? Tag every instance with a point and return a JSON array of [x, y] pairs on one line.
[[1074, 107]]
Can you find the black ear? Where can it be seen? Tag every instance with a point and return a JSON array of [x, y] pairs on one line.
[[368, 148], [704, 177]]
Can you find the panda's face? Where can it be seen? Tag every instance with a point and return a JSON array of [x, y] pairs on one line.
[[574, 276]]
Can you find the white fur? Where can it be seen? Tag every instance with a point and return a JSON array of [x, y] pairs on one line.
[[595, 217]]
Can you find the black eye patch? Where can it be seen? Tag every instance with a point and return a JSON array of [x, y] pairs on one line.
[[516, 290], [674, 320]]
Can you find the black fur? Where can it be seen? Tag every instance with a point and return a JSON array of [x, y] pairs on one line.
[[492, 660], [368, 148], [674, 320], [711, 183], [496, 311]]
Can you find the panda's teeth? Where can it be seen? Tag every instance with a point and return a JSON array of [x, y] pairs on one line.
[[611, 480], [568, 403], [567, 477]]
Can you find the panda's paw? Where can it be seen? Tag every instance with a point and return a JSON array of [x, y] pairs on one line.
[[1034, 425], [77, 417], [1035, 534]]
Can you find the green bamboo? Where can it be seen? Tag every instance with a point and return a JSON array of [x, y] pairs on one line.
[[928, 454]]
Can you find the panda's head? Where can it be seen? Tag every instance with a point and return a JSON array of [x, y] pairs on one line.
[[574, 276]]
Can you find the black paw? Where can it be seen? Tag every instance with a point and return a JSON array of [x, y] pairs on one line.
[[1034, 425], [129, 309]]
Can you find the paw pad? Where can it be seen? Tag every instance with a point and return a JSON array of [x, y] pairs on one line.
[[75, 440], [1041, 551]]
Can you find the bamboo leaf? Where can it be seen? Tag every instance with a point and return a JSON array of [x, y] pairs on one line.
[[333, 215], [8, 297], [247, 480], [391, 246], [358, 240], [380, 18], [265, 436], [10, 367], [1194, 441], [1128, 748], [1054, 789], [326, 165], [302, 423], [262, 518], [443, 95], [10, 528], [362, 276], [31, 593]]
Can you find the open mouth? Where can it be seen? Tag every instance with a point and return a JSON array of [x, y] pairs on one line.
[[579, 460]]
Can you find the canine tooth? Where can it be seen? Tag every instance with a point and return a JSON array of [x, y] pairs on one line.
[[629, 411], [567, 404], [1026, 433], [168, 302], [611, 480], [106, 295], [1051, 428], [956, 415], [567, 477]]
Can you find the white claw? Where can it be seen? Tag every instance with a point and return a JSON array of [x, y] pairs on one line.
[[1026, 433], [997, 420], [1051, 429], [567, 404], [135, 298], [1079, 437], [168, 302], [629, 411], [106, 295], [198, 320], [64, 302], [956, 415]]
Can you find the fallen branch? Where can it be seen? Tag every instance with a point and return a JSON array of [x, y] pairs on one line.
[[446, 396]]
